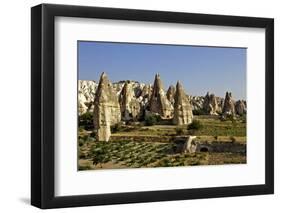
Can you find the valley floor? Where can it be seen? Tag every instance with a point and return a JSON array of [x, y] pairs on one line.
[[138, 146]]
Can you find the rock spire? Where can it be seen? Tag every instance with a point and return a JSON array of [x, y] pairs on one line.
[[210, 104], [171, 94], [182, 107], [106, 109], [129, 105], [228, 105], [240, 107], [158, 102]]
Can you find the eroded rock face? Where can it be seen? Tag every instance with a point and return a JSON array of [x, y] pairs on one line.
[[158, 102], [240, 107], [146, 91], [228, 105], [106, 109], [129, 105], [171, 94], [210, 104], [196, 102], [182, 107]]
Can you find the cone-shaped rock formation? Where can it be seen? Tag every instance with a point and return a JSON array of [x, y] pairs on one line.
[[182, 107], [129, 105], [240, 107], [228, 105], [106, 109], [210, 104], [171, 94], [158, 102]]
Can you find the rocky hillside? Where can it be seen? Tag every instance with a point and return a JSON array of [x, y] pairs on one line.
[[126, 101], [141, 93]]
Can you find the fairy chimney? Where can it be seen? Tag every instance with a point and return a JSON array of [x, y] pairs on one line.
[[210, 104], [158, 102], [106, 109], [130, 107], [182, 107], [228, 105], [171, 94], [240, 107]]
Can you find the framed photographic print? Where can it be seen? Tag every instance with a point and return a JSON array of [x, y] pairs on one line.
[[139, 106]]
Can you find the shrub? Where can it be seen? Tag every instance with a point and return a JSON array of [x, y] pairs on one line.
[[85, 137], [195, 125], [231, 118], [93, 134], [81, 142], [116, 128], [232, 139], [99, 154], [86, 120], [152, 120], [216, 137], [179, 131], [244, 118], [198, 112], [81, 155]]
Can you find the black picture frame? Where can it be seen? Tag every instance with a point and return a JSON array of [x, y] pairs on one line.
[[43, 117]]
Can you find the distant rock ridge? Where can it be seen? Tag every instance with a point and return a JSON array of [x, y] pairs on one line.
[[86, 95], [87, 89], [130, 100]]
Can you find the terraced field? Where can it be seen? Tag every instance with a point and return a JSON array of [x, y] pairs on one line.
[[132, 146]]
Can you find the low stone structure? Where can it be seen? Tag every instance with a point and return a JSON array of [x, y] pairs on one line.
[[190, 146]]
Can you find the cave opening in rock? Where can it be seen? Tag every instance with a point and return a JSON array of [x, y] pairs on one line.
[[204, 149]]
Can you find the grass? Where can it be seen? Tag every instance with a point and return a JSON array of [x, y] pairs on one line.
[[208, 126]]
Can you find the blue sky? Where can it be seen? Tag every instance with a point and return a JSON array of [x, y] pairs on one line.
[[199, 69]]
